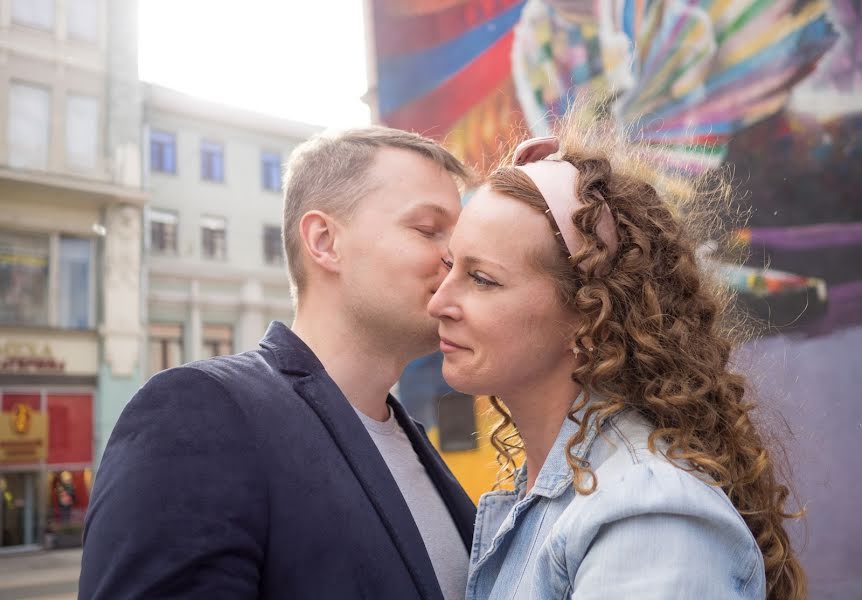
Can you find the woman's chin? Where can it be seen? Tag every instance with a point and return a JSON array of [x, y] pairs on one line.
[[463, 381]]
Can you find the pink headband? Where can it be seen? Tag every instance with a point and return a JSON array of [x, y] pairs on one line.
[[557, 181]]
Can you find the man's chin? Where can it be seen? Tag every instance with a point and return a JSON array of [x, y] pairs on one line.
[[428, 340], [416, 337]]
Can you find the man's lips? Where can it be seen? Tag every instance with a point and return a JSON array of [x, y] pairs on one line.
[[447, 345]]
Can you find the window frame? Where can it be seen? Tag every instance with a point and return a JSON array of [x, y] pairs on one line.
[[268, 160], [97, 32], [154, 216], [213, 340], [154, 132], [212, 219], [278, 259], [449, 426], [163, 341], [38, 26], [53, 282], [49, 137], [208, 150], [91, 277], [97, 150]]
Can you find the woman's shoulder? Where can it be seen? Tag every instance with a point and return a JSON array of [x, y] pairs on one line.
[[652, 518], [632, 478], [628, 470], [642, 494]]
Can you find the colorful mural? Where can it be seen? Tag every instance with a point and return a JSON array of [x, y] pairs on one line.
[[771, 87]]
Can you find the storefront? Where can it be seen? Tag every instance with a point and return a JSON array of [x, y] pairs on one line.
[[46, 436]]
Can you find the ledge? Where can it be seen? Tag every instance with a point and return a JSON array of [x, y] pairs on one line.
[[88, 188]]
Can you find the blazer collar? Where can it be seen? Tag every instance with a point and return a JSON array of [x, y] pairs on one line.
[[291, 353], [313, 384], [294, 357]]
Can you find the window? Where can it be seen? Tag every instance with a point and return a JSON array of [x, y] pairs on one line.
[[217, 340], [163, 152], [34, 13], [26, 277], [82, 19], [29, 126], [163, 231], [76, 288], [82, 131], [457, 421], [24, 262], [212, 161], [214, 238], [270, 171], [272, 253], [165, 346]]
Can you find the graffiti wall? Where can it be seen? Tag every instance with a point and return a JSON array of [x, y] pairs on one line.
[[773, 89]]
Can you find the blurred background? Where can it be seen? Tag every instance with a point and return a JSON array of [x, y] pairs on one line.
[[141, 151]]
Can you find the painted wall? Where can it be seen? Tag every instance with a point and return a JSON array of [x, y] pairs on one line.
[[773, 88]]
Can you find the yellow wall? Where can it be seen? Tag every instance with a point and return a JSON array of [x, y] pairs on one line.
[[476, 469]]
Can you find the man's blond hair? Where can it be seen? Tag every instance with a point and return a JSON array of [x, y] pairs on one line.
[[329, 172]]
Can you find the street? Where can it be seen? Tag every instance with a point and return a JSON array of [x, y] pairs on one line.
[[43, 575]]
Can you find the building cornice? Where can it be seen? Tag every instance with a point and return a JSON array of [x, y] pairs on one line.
[[158, 98], [88, 188], [216, 301], [175, 268]]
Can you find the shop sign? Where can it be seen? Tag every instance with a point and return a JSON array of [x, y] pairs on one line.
[[23, 435], [29, 357]]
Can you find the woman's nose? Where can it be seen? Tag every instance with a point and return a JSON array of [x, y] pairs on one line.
[[442, 303]]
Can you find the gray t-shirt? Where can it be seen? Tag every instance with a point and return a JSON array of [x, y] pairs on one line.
[[435, 524]]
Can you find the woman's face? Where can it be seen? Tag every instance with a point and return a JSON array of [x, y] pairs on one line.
[[501, 325]]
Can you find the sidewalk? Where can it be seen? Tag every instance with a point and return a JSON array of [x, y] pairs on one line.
[[44, 575]]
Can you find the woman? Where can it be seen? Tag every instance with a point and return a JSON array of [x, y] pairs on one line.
[[575, 298]]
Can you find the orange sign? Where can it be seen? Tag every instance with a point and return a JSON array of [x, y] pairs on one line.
[[21, 418], [23, 435]]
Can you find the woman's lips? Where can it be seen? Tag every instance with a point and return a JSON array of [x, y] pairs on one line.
[[447, 346]]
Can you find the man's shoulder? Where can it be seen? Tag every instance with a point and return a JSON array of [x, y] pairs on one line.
[[230, 371], [249, 378]]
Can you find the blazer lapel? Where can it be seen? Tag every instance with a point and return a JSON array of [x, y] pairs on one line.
[[461, 508], [336, 413]]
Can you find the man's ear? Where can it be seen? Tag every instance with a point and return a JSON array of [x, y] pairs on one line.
[[318, 232]]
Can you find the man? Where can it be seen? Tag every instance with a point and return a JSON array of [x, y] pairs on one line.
[[288, 471]]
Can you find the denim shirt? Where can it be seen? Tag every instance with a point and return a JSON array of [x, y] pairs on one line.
[[650, 530]]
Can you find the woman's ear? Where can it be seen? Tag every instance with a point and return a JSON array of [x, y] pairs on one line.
[[318, 232]]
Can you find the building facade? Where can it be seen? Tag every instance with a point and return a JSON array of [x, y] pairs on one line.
[[213, 251], [71, 206]]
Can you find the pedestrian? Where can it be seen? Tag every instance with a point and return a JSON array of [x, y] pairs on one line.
[[575, 299], [289, 471]]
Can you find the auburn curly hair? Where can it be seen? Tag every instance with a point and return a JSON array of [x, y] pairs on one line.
[[657, 332]]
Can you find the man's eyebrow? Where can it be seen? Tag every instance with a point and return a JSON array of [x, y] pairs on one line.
[[435, 208]]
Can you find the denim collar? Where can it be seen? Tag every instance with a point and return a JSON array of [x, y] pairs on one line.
[[555, 476]]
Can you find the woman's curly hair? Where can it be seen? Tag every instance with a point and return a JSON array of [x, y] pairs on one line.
[[657, 333]]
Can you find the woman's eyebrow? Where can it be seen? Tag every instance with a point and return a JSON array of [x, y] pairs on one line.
[[473, 261]]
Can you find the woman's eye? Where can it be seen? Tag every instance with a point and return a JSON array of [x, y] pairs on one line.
[[426, 231], [479, 279], [483, 281]]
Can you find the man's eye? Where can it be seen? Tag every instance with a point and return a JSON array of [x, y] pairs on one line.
[[447, 263], [426, 231]]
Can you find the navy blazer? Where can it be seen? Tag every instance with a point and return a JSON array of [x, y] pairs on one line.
[[251, 476]]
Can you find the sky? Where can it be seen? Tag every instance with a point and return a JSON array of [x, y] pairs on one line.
[[295, 59]]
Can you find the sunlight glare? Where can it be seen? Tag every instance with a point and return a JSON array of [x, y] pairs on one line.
[[303, 61]]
